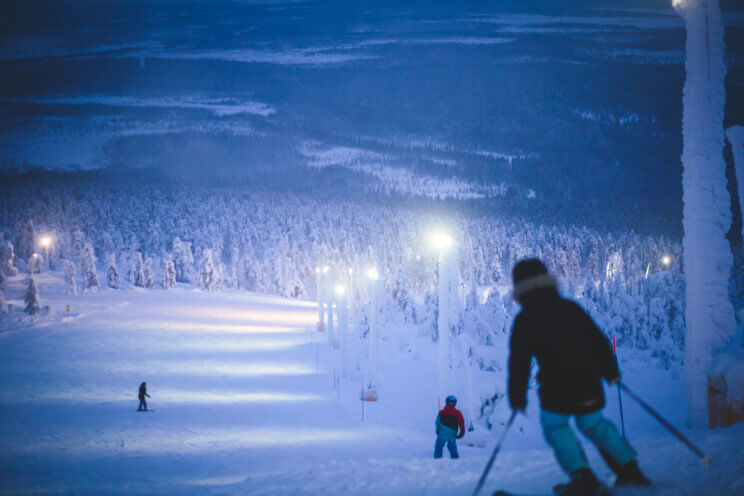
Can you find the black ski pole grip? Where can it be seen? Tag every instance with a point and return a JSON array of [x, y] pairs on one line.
[[706, 460]]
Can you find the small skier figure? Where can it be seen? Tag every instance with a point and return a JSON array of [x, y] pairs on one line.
[[448, 421], [142, 394], [573, 356]]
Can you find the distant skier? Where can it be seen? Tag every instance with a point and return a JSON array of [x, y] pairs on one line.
[[448, 421], [142, 394], [573, 356]]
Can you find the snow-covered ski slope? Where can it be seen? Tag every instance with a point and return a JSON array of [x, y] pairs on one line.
[[240, 409]]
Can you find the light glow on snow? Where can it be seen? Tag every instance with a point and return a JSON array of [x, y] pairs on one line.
[[221, 367], [169, 325]]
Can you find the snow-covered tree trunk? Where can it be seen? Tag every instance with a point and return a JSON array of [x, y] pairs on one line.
[[70, 277], [735, 135], [89, 264], [31, 297], [112, 272], [707, 209]]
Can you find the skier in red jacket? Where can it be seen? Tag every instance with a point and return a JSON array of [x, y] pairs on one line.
[[448, 421]]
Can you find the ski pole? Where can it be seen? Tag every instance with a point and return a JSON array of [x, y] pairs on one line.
[[619, 394], [496, 450], [706, 460]]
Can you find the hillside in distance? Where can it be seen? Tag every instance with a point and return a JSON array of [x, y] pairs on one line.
[[568, 111]]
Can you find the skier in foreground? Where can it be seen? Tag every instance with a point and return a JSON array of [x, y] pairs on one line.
[[448, 421], [142, 394], [573, 356]]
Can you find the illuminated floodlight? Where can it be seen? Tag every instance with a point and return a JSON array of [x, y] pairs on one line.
[[340, 290], [373, 274], [441, 240], [666, 260], [326, 269], [35, 255], [317, 270], [351, 270], [46, 241]]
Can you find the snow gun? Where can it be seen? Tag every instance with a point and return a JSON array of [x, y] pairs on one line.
[[496, 450], [706, 460]]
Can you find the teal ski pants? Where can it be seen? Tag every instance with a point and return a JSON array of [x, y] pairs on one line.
[[598, 429]]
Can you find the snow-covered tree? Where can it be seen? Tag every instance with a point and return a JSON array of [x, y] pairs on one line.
[[8, 257], [209, 273], [35, 264], [707, 213], [31, 297], [3, 306], [183, 259], [147, 271], [89, 266], [112, 272], [169, 273], [70, 277], [138, 270]]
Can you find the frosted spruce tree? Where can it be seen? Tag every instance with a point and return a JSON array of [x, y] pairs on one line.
[[9, 256], [183, 259], [35, 263], [89, 266], [707, 209], [147, 271], [31, 297], [138, 270], [208, 272], [70, 277], [112, 272], [169, 273]]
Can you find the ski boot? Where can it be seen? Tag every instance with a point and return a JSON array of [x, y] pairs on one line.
[[630, 475], [627, 475], [583, 483]]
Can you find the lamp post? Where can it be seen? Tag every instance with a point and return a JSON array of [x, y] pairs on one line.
[[332, 339], [370, 392], [343, 326], [319, 293], [443, 243], [46, 242]]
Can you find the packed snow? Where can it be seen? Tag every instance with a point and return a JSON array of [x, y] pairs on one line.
[[243, 402]]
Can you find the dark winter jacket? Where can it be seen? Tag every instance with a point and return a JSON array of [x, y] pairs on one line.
[[143, 392], [572, 353], [448, 420]]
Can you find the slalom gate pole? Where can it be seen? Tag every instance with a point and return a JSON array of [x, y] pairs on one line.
[[362, 398], [496, 450], [619, 395], [706, 460]]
